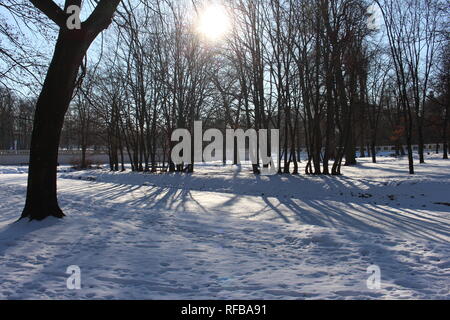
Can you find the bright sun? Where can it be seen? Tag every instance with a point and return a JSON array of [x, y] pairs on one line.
[[214, 22]]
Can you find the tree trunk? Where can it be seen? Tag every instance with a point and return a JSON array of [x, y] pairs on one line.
[[373, 148], [83, 157], [444, 131], [51, 107], [410, 154], [350, 150], [421, 142]]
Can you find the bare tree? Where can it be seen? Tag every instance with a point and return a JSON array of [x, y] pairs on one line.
[[413, 34], [53, 102]]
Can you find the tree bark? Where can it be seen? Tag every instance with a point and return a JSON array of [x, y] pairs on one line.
[[51, 107]]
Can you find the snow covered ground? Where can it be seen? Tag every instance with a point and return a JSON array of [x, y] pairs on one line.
[[223, 233]]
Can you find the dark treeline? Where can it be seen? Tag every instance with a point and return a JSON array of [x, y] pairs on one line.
[[335, 77], [16, 121]]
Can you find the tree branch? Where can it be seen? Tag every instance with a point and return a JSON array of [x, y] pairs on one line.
[[51, 10], [102, 15]]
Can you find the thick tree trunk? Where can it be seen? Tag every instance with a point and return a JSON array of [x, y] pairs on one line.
[[51, 107]]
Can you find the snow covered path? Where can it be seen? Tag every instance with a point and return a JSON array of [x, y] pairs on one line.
[[222, 234]]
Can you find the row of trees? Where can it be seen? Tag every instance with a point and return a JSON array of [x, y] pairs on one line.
[[325, 74], [16, 123]]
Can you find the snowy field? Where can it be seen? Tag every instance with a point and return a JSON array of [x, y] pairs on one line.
[[224, 233]]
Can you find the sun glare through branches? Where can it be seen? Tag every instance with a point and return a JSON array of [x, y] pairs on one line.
[[213, 22]]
